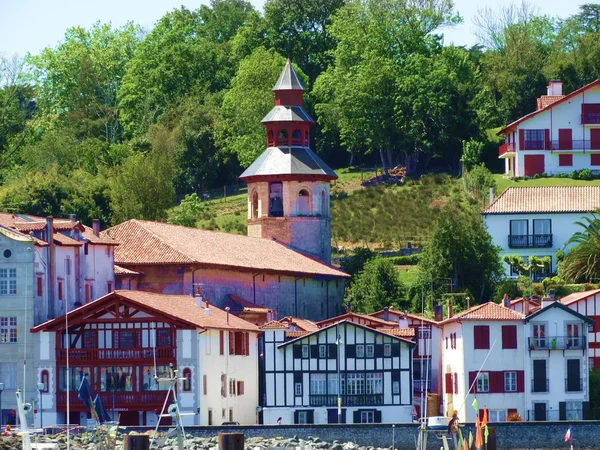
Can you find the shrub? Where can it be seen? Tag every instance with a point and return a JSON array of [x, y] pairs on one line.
[[586, 174], [544, 175], [407, 260], [514, 417], [575, 175], [536, 176]]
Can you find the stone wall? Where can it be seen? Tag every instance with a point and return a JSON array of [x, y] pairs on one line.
[[508, 435]]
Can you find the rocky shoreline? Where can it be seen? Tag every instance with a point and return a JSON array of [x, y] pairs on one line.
[[87, 441]]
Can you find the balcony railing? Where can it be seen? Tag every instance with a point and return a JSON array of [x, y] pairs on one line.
[[574, 145], [421, 385], [347, 400], [557, 343], [573, 384], [529, 241], [142, 400], [78, 355], [545, 415], [540, 385], [505, 149], [590, 118]]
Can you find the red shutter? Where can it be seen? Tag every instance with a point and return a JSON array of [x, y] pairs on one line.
[[509, 337], [565, 139], [476, 337], [40, 291], [565, 159], [247, 345], [472, 376], [446, 342], [521, 139], [455, 383], [595, 159], [485, 337], [520, 381], [480, 414], [547, 142], [240, 388], [231, 343], [60, 293], [481, 337], [498, 382], [448, 383], [221, 342]]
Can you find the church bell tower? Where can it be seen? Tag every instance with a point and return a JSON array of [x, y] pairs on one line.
[[288, 185]]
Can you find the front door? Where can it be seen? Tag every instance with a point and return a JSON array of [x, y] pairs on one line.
[[539, 411], [595, 138], [534, 164], [573, 376], [539, 376]]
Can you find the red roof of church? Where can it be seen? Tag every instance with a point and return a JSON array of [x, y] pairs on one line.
[[145, 243]]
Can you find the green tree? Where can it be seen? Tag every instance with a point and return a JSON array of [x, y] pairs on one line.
[[376, 286], [353, 264], [472, 152], [582, 262], [535, 264], [187, 213]]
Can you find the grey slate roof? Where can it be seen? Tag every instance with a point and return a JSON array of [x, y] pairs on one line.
[[288, 80], [288, 161], [282, 113]]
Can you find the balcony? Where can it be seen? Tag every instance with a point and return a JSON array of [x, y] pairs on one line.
[[93, 355], [557, 343], [347, 400], [529, 241], [123, 401], [540, 385], [590, 118], [574, 145], [506, 150], [573, 384]]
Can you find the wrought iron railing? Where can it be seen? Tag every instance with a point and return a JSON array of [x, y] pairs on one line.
[[347, 400], [529, 240], [540, 385], [573, 384], [557, 343]]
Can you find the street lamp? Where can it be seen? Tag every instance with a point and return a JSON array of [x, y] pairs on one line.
[[41, 388], [1, 415]]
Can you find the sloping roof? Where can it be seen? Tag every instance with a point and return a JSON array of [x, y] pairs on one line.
[[149, 243], [551, 105], [238, 304], [576, 296], [181, 307], [558, 305], [486, 311], [400, 314], [402, 332], [546, 199], [350, 315], [296, 334], [273, 325], [288, 161], [124, 271], [518, 300], [546, 100], [281, 113], [288, 79], [304, 325], [88, 233]]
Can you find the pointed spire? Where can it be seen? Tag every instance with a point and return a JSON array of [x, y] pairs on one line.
[[288, 80]]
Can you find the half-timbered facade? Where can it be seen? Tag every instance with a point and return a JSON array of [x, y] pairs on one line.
[[304, 374], [126, 338]]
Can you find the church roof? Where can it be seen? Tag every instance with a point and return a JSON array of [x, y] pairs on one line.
[[153, 243], [288, 80], [282, 113], [288, 161]]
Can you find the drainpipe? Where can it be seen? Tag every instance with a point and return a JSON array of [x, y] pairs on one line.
[[254, 287], [51, 268]]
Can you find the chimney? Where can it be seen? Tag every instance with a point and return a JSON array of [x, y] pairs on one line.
[[227, 309], [506, 301], [438, 313], [96, 227], [491, 195], [468, 299], [386, 313], [450, 309], [198, 298], [525, 307], [51, 266], [555, 87], [348, 308]]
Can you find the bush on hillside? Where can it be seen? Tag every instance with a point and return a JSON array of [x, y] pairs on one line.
[[406, 260]]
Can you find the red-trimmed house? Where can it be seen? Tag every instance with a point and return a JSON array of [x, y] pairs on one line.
[[122, 337], [588, 304]]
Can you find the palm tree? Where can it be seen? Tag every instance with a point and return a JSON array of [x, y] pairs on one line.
[[583, 260]]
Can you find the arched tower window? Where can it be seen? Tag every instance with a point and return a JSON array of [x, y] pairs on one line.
[[303, 202], [187, 379], [323, 203], [45, 380], [282, 138], [254, 206], [270, 140], [276, 199], [297, 137]]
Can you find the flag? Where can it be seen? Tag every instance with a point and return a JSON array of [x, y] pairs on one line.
[[484, 420], [478, 437], [486, 433], [460, 439], [85, 392], [470, 439], [100, 411], [568, 435], [475, 405]]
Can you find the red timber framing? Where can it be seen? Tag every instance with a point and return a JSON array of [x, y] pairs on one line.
[[115, 341]]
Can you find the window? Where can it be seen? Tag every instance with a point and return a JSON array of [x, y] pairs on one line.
[[573, 336], [223, 388], [221, 342], [8, 330], [282, 137], [302, 417], [45, 380], [124, 339], [85, 248], [121, 379], [332, 384], [298, 388], [187, 379], [323, 203], [270, 138], [303, 202], [232, 386], [254, 210], [322, 351], [539, 335], [276, 199], [387, 349], [296, 137], [77, 374], [534, 140], [510, 381], [519, 229], [304, 351], [509, 336], [370, 350], [360, 351], [542, 233], [367, 417], [89, 291], [8, 281], [240, 388], [40, 286], [565, 159], [164, 338], [497, 415], [60, 289], [395, 387], [90, 339], [205, 384], [318, 384], [374, 383], [481, 337], [210, 416], [355, 384], [483, 382]]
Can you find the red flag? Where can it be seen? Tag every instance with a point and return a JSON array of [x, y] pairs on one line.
[[478, 436]]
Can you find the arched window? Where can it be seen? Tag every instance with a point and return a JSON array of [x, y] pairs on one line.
[[297, 137], [303, 203], [270, 141], [45, 380], [187, 379], [282, 138], [323, 203], [254, 210], [276, 199]]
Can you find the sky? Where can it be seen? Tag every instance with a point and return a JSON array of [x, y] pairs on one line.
[[31, 25]]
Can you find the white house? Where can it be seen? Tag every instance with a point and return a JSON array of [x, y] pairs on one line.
[[538, 221], [561, 136], [557, 363], [122, 340], [304, 374], [483, 356]]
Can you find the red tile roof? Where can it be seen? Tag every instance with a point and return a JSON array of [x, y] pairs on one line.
[[401, 332], [273, 325], [516, 301], [296, 334], [577, 296], [352, 315], [248, 306], [123, 271], [546, 199], [399, 314], [144, 242], [485, 312], [304, 325], [546, 100]]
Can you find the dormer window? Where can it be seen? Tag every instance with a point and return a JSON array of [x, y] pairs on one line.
[[303, 202], [270, 140]]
